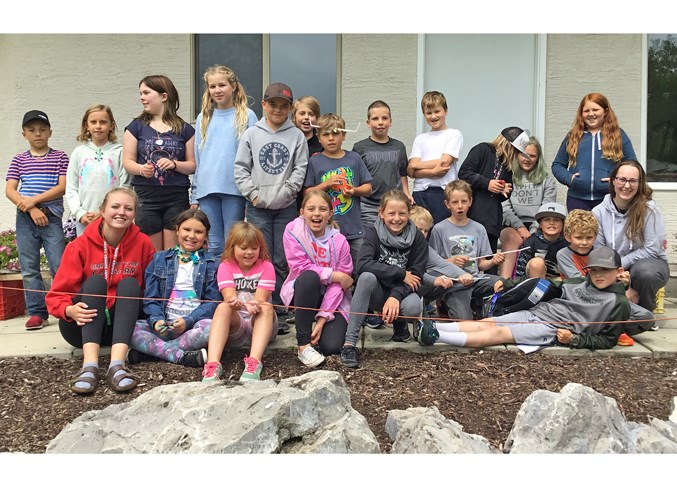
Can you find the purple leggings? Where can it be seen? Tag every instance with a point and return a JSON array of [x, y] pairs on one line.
[[144, 339]]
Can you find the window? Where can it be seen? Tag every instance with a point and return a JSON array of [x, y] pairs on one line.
[[306, 62], [661, 158]]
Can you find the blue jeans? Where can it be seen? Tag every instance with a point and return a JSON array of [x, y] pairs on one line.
[[29, 239], [272, 224], [222, 211]]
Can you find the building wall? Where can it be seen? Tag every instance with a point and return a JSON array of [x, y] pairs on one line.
[[64, 74], [379, 66]]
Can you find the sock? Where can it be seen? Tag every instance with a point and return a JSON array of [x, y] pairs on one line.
[[82, 384], [453, 338], [124, 382], [448, 326]]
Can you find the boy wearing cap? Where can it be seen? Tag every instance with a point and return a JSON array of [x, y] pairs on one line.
[[589, 314], [270, 166], [540, 259], [36, 183]]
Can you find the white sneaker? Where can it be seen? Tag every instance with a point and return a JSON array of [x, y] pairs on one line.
[[310, 357]]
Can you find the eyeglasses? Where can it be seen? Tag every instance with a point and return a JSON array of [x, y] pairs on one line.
[[630, 181]]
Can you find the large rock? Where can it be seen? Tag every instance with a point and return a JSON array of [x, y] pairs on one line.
[[308, 413], [421, 430], [581, 420]]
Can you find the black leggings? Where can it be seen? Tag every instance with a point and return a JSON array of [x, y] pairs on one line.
[[307, 294], [123, 314]]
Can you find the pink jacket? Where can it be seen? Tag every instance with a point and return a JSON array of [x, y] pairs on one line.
[[297, 241]]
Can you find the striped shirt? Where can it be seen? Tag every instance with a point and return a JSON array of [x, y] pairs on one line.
[[37, 175]]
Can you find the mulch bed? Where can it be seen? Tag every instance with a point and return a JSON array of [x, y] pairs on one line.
[[481, 390]]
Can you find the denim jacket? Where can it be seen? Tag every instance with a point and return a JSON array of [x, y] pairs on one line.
[[160, 278]]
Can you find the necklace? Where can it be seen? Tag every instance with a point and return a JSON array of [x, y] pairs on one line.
[[187, 256], [159, 140]]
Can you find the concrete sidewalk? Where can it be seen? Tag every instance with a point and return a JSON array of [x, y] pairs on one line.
[[15, 341]]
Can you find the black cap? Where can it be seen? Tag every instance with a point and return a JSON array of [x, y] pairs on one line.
[[603, 257], [35, 115], [278, 90], [517, 137]]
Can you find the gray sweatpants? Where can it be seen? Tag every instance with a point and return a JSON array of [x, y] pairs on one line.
[[369, 294], [459, 302]]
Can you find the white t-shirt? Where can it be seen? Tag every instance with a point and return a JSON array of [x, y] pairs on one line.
[[183, 299], [431, 145]]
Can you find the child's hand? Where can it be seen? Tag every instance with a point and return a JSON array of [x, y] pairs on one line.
[[507, 189], [496, 186], [317, 331], [412, 280], [38, 217], [26, 203], [498, 286], [335, 182], [234, 303], [88, 218], [177, 326], [252, 307], [391, 309], [443, 282], [524, 233], [348, 190], [625, 279], [460, 261], [80, 313], [632, 295], [498, 258], [466, 279], [440, 169], [161, 327], [147, 170], [342, 279], [572, 178], [564, 336]]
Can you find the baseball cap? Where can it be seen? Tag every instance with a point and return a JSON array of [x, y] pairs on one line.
[[552, 209], [517, 137], [604, 257], [278, 90], [32, 115]]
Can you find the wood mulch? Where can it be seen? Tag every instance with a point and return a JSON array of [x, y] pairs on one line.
[[480, 390]]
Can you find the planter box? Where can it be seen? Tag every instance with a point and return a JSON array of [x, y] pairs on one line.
[[12, 302]]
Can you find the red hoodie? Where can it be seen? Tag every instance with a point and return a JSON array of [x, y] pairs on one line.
[[84, 257]]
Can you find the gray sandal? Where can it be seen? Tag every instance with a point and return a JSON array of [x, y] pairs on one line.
[[92, 382]]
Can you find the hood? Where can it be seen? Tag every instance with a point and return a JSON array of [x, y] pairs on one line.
[[261, 124]]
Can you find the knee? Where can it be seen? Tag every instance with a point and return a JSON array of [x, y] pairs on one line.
[[129, 287], [536, 268], [95, 284], [367, 279], [308, 278], [510, 239]]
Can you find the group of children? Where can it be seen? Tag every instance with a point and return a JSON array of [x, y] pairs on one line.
[[329, 232]]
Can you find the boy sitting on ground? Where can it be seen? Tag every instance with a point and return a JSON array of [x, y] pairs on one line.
[[584, 316], [540, 259]]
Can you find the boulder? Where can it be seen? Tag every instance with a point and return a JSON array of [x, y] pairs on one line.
[[422, 430], [308, 413]]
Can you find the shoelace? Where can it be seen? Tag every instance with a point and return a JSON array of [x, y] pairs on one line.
[[251, 364]]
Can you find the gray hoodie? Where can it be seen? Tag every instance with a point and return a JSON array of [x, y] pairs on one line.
[[525, 200], [611, 233], [270, 166]]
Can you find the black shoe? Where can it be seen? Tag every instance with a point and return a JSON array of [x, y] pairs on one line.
[[194, 359], [373, 322], [349, 356], [136, 357], [427, 332], [400, 331], [282, 325]]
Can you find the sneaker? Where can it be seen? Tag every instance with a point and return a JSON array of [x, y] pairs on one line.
[[625, 340], [310, 357], [654, 327], [400, 331], [194, 359], [373, 322], [136, 357], [282, 325], [427, 332], [430, 310], [35, 323], [212, 372], [349, 356], [252, 369]]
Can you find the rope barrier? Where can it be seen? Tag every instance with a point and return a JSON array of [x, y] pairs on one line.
[[406, 317]]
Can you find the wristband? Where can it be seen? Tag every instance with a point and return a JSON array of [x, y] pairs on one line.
[[174, 161]]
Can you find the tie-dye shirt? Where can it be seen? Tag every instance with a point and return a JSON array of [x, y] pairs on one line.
[[262, 275], [182, 300]]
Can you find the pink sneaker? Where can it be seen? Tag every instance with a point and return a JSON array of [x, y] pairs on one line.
[[35, 323]]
